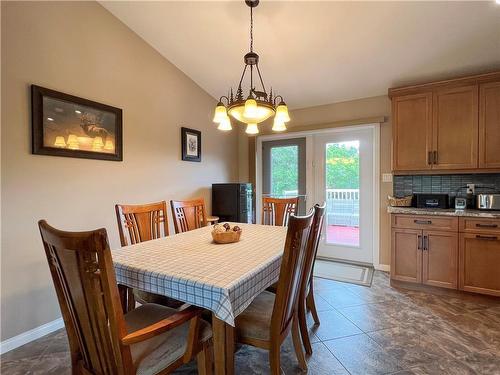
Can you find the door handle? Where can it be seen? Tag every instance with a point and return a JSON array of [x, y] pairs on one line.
[[479, 225], [487, 238], [426, 243], [419, 243], [435, 157], [422, 221], [429, 158]]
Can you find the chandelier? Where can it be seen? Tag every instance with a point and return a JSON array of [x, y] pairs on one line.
[[258, 106]]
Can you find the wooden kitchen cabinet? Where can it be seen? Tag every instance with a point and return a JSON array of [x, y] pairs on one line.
[[425, 250], [489, 125], [412, 137], [455, 128], [479, 260], [447, 126], [440, 259], [406, 256]]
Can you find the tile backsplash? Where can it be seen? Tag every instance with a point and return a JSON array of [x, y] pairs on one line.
[[450, 184]]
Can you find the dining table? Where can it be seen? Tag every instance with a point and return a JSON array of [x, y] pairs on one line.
[[221, 278]]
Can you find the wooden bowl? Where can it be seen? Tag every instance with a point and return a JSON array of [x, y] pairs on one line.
[[226, 237]]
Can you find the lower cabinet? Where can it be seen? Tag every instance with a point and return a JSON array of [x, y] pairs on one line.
[[440, 259], [406, 256], [448, 252], [424, 256], [480, 263]]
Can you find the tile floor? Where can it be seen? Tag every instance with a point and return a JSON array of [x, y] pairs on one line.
[[377, 330]]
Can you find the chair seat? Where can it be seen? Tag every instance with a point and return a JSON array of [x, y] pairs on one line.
[[146, 297], [255, 321], [155, 354]]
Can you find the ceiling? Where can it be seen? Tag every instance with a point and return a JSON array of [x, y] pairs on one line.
[[316, 53]]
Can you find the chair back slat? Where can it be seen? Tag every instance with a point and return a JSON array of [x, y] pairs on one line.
[[277, 211], [312, 247], [83, 275], [144, 222], [188, 215], [292, 267]]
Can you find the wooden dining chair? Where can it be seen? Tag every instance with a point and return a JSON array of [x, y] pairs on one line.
[[139, 223], [151, 339], [306, 297], [277, 211], [270, 317], [188, 215]]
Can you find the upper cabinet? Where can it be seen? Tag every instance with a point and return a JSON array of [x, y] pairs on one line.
[[489, 125], [444, 126], [454, 128], [413, 135]]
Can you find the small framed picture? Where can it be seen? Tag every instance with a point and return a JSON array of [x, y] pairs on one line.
[[66, 125], [191, 144]]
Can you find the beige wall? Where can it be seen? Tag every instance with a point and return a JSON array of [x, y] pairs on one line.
[[81, 49], [346, 111]]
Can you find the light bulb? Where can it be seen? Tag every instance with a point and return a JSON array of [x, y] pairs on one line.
[[282, 112], [278, 125], [497, 1], [250, 111], [225, 124], [252, 129], [220, 113]]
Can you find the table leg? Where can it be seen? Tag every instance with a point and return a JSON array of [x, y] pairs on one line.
[[223, 347]]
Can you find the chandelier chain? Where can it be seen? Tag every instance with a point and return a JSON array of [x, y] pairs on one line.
[[251, 29]]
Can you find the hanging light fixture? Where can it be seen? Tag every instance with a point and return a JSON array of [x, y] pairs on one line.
[[258, 105]]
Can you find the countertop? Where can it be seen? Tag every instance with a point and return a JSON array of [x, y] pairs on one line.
[[443, 212]]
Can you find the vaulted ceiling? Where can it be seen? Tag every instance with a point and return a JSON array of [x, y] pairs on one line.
[[316, 53]]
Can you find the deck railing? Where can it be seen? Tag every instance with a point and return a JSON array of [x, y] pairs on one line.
[[342, 206]]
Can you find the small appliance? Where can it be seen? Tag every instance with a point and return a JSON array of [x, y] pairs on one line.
[[460, 203], [424, 200], [488, 201]]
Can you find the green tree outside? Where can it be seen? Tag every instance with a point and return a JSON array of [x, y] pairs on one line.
[[342, 167]]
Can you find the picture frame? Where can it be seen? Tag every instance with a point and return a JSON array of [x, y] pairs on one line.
[[191, 144], [70, 126]]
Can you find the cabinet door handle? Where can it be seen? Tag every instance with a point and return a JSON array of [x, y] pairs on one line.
[[429, 158], [435, 157], [422, 221], [479, 225], [487, 238], [426, 243], [419, 244]]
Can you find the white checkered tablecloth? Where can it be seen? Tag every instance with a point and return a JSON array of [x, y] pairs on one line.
[[191, 268]]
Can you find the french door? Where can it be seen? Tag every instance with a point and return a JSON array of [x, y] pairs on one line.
[[344, 173]]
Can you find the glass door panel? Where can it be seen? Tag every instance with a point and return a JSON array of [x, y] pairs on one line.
[[342, 193], [284, 169]]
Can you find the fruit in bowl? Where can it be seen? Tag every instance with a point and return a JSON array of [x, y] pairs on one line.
[[225, 233]]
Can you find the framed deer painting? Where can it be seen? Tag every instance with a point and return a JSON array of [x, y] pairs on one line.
[[66, 125]]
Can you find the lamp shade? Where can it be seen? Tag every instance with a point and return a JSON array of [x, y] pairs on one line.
[[250, 111], [73, 143], [252, 129], [282, 112], [220, 113], [60, 142], [278, 125], [225, 124]]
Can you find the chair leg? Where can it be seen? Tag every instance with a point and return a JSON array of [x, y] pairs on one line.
[[204, 360], [274, 360], [311, 306], [304, 332], [297, 344]]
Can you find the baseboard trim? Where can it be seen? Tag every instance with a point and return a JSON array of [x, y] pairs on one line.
[[32, 334], [382, 267]]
